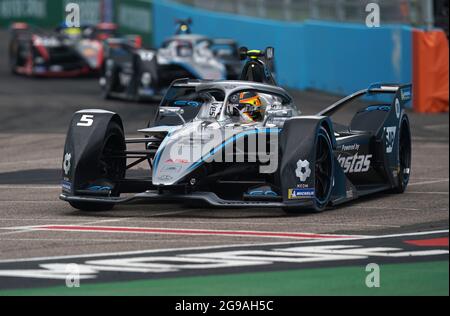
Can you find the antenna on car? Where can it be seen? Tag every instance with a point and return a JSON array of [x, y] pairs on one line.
[[259, 65]]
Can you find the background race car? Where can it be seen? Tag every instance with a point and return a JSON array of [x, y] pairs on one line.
[[133, 73], [64, 52]]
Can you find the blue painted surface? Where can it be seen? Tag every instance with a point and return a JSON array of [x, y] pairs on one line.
[[334, 57]]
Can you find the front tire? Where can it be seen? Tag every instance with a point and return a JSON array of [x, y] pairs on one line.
[[110, 169]]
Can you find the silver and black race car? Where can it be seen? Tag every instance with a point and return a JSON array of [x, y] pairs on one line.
[[137, 74], [63, 52], [242, 144]]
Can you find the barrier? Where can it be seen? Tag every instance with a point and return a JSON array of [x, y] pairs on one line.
[[135, 17], [431, 73], [333, 57]]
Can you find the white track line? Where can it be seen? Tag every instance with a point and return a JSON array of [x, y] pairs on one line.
[[194, 232], [436, 193], [140, 252], [383, 208], [428, 182], [28, 201], [31, 228], [144, 220], [101, 240]]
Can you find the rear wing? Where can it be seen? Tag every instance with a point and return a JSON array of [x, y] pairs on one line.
[[403, 92], [133, 41]]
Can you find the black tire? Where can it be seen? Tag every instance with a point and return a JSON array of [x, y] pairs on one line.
[[324, 171], [111, 170], [109, 82], [404, 148], [13, 52]]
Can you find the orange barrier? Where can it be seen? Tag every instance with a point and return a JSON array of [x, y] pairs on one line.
[[430, 71]]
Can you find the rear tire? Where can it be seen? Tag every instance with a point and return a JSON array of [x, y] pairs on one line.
[[13, 52], [404, 148], [324, 171], [111, 169], [108, 75]]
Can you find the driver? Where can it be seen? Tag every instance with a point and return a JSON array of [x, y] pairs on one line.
[[248, 106], [71, 32]]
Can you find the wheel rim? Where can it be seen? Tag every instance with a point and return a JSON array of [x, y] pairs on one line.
[[323, 169]]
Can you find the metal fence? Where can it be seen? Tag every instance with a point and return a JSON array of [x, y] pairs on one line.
[[413, 12]]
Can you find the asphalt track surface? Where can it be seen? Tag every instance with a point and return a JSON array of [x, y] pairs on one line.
[[34, 116]]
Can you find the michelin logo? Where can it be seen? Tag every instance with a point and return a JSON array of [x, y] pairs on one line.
[[294, 194]]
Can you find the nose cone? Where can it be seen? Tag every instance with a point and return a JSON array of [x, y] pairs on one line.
[[180, 154]]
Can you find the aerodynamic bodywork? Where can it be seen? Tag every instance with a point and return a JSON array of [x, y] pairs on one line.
[[242, 144], [63, 52], [135, 74]]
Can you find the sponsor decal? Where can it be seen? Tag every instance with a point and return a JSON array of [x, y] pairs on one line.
[[294, 194], [165, 178], [99, 188], [67, 163], [303, 171], [397, 108], [172, 168], [263, 193], [350, 147], [405, 94], [187, 103], [349, 194], [385, 108], [390, 138], [180, 161], [355, 164], [66, 186]]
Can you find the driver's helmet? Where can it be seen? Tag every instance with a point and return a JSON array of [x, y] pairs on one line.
[[71, 32], [248, 106]]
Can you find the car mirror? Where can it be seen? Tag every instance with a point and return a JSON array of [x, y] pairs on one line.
[[279, 113], [172, 111]]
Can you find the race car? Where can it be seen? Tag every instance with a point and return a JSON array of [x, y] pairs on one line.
[[239, 143], [64, 52], [134, 73]]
